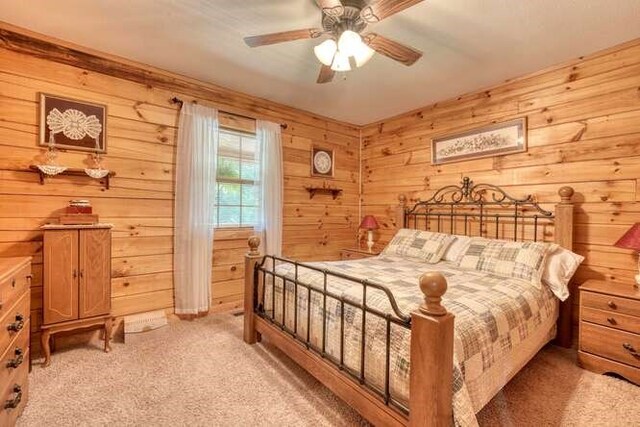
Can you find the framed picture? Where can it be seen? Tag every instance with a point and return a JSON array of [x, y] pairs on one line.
[[494, 140], [70, 124], [322, 162]]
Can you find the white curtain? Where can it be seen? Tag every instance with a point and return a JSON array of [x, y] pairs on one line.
[[195, 191], [269, 225]]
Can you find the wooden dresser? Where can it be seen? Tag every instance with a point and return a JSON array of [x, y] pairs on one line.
[[610, 328], [358, 253], [15, 306], [76, 281]]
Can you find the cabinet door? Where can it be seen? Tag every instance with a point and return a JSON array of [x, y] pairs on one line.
[[95, 272], [60, 292]]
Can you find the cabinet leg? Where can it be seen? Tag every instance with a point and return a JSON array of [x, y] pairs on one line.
[[44, 341], [108, 324]]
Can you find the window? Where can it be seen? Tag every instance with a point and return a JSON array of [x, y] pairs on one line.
[[237, 196]]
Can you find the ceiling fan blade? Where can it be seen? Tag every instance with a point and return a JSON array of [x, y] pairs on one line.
[[326, 74], [394, 50], [331, 7], [382, 9], [285, 36]]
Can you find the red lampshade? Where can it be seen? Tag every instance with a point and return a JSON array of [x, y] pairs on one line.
[[630, 239], [369, 223]]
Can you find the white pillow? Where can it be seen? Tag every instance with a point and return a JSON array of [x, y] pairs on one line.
[[457, 248], [561, 265]]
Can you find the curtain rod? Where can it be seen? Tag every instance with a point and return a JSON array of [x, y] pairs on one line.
[[176, 100]]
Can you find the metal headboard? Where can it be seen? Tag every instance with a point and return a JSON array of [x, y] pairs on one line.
[[479, 209]]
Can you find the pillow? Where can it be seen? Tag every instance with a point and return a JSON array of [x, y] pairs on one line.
[[560, 267], [518, 260], [457, 248], [424, 245]]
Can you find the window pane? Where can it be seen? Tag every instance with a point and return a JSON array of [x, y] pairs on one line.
[[229, 144], [249, 215], [249, 148], [249, 195], [229, 215], [236, 204], [249, 170], [228, 168], [228, 194]]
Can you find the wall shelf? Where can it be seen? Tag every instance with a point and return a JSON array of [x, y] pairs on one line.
[[72, 172], [335, 192]]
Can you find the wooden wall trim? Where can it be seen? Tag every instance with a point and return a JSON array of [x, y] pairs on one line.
[[40, 46]]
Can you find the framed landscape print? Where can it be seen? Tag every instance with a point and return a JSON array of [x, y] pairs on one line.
[[71, 124], [494, 140], [322, 162]]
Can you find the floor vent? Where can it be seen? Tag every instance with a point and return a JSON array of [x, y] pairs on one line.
[[144, 322]]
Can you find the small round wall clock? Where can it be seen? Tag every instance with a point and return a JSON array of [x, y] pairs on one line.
[[322, 162]]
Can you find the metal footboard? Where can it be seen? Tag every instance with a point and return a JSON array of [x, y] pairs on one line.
[[267, 269]]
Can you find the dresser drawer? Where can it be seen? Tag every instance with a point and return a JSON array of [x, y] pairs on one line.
[[611, 318], [14, 321], [617, 345], [14, 396], [13, 286], [16, 355], [610, 303]]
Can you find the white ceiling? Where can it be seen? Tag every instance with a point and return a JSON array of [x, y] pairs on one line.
[[467, 44]]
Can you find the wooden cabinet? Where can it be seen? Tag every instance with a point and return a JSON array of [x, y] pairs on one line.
[[358, 253], [610, 328], [15, 308], [77, 280]]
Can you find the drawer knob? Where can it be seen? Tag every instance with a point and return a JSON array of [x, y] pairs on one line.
[[13, 403], [612, 321], [632, 351], [13, 282], [612, 305], [17, 325], [16, 361]]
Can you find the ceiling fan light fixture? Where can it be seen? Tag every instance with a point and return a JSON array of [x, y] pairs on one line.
[[363, 54], [326, 51], [341, 62], [349, 42]]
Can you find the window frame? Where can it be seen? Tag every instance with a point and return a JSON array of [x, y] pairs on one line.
[[240, 181]]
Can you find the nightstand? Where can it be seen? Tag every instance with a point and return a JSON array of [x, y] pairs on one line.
[[610, 329], [358, 253]]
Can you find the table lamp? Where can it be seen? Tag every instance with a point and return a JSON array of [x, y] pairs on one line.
[[631, 240], [369, 223]]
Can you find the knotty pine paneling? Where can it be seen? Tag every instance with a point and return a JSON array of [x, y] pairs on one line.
[[142, 133], [584, 131]]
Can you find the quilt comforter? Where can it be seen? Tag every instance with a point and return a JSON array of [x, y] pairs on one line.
[[492, 316]]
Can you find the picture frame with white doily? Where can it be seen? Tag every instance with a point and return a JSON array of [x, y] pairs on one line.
[[71, 124], [322, 162]]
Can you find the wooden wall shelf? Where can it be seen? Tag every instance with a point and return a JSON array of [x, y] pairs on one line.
[[71, 172], [335, 192]]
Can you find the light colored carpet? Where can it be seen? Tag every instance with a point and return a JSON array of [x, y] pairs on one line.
[[201, 373]]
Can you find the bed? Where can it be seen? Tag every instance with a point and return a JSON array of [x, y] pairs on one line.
[[380, 332]]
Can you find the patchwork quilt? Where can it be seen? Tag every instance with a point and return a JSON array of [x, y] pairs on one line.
[[493, 315]]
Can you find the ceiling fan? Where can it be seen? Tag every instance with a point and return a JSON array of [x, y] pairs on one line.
[[347, 48]]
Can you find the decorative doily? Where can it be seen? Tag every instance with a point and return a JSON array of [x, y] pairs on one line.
[[73, 124], [97, 173], [51, 169]]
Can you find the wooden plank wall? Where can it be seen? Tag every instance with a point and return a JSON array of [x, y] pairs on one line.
[[584, 131], [141, 149]]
